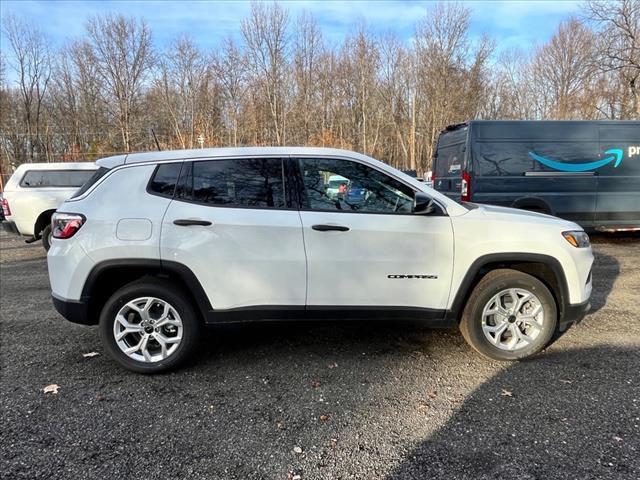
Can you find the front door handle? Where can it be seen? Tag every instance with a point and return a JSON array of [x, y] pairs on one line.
[[185, 222], [330, 228]]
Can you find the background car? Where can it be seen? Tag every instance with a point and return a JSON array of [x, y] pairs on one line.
[[34, 192]]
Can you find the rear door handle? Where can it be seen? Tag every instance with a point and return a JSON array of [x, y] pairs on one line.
[[185, 222], [330, 228]]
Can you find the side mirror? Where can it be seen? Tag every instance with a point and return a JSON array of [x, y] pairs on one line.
[[423, 204]]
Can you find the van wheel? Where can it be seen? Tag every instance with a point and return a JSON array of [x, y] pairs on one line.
[[510, 316], [46, 237], [148, 326]]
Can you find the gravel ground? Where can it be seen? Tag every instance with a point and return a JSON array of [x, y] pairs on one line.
[[322, 400]]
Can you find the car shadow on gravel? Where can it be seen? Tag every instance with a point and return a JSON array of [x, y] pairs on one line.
[[605, 271], [566, 414]]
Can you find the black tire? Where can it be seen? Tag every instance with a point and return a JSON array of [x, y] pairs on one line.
[[191, 324], [491, 284], [46, 237]]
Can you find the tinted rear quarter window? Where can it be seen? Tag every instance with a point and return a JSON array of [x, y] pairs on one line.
[[165, 178], [255, 182], [55, 178]]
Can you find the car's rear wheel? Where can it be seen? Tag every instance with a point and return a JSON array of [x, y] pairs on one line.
[[149, 327], [510, 315]]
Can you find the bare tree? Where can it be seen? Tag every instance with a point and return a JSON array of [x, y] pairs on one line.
[[308, 46], [267, 43], [563, 69], [229, 67], [32, 63], [122, 53], [182, 82], [618, 25]]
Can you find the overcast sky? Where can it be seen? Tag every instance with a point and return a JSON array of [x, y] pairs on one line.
[[511, 23]]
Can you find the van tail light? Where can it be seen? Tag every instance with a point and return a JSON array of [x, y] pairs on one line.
[[65, 225], [5, 207], [465, 187]]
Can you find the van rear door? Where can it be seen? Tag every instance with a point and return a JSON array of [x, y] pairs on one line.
[[618, 201], [449, 161]]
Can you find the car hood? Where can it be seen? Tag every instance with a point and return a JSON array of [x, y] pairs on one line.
[[522, 216]]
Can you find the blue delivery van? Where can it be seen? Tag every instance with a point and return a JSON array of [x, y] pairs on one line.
[[584, 171]]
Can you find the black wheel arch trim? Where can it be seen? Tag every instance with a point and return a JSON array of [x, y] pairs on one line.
[[154, 266], [468, 282]]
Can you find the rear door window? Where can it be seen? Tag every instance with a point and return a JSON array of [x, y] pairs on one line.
[[55, 178], [248, 183]]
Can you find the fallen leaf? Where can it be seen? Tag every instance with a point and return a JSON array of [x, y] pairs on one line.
[[332, 365], [617, 439], [324, 418], [280, 425], [315, 384], [53, 388], [506, 393], [423, 406], [297, 450], [90, 354], [432, 394], [100, 398]]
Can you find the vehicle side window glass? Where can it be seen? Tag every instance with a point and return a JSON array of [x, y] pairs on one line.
[[343, 185], [165, 178], [55, 178], [251, 182], [450, 160]]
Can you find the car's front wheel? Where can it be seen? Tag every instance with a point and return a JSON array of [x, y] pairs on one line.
[[510, 315], [149, 326]]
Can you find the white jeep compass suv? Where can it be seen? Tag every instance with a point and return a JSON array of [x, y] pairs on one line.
[[200, 237]]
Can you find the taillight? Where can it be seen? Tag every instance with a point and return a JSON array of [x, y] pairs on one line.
[[5, 207], [465, 187], [65, 225]]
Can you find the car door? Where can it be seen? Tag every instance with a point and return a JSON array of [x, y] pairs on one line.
[[234, 223], [367, 250]]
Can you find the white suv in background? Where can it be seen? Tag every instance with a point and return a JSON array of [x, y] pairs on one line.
[[225, 235], [35, 190]]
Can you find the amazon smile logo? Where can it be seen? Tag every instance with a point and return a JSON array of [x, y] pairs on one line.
[[615, 154]]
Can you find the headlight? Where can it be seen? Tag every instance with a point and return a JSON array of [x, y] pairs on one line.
[[577, 238]]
